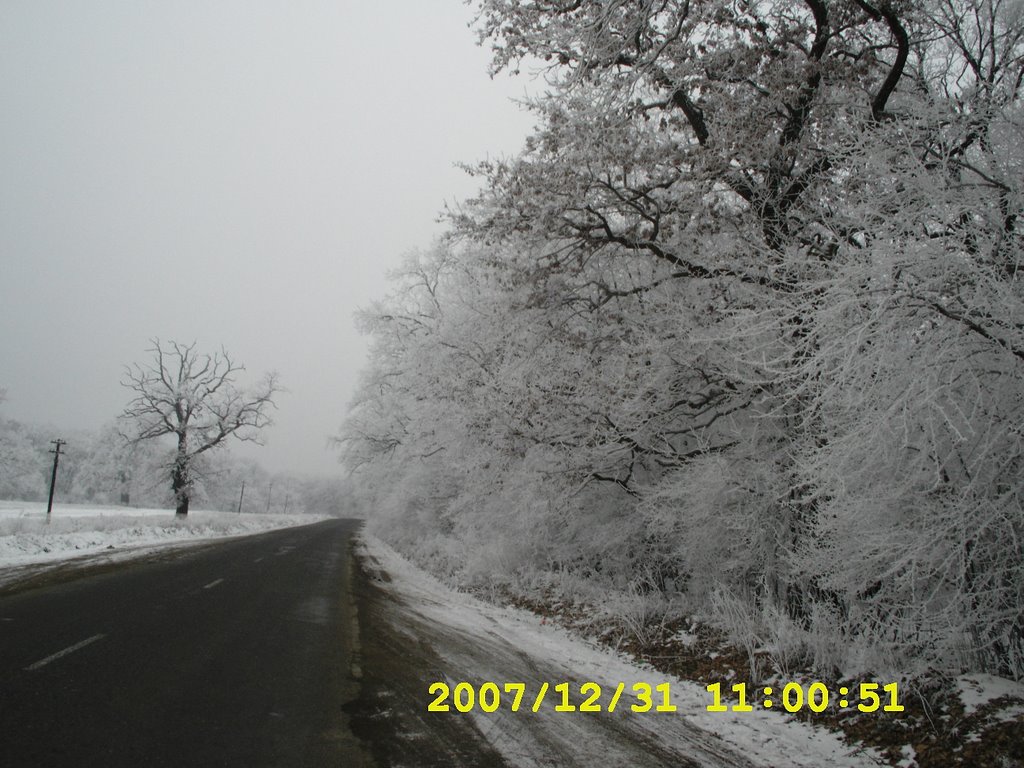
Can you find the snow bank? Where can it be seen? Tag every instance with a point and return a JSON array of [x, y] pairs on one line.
[[74, 530]]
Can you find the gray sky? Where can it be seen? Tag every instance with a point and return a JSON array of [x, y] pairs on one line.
[[238, 173]]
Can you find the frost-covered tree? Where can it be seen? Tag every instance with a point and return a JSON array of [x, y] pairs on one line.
[[22, 462], [192, 397], [742, 319], [827, 191], [111, 470]]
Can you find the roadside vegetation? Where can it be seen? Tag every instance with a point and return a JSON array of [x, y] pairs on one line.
[[735, 340]]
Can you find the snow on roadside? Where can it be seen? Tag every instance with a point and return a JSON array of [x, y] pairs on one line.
[[75, 530], [978, 689], [481, 642]]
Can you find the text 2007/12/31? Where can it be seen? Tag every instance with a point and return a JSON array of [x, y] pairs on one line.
[[562, 697]]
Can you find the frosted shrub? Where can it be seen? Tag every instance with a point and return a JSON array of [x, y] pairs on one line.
[[716, 518], [643, 615], [741, 621]]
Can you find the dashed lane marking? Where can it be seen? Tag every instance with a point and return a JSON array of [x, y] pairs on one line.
[[212, 584], [65, 652]]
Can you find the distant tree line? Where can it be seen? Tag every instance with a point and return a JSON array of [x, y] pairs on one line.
[[99, 467], [184, 405], [741, 330]]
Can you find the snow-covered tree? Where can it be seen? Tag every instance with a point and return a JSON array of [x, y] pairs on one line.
[[23, 465], [192, 397], [743, 317]]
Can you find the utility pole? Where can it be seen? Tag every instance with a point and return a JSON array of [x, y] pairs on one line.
[[53, 478], [240, 497], [269, 492]]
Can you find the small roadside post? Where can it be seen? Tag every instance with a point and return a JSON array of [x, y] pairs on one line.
[[53, 478]]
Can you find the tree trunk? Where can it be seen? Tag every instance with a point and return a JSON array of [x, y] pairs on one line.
[[179, 478]]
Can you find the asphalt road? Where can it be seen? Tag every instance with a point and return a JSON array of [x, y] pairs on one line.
[[242, 653]]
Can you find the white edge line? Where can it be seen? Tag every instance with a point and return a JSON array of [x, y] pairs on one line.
[[213, 584], [65, 652]]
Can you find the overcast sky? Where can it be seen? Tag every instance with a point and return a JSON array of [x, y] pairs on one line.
[[237, 173]]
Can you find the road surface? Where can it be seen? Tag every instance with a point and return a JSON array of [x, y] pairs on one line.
[[241, 653]]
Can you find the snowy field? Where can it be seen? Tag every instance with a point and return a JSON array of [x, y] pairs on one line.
[[75, 530], [482, 642]]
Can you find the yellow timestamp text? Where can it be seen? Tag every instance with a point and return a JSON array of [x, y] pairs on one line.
[[815, 697], [562, 697]]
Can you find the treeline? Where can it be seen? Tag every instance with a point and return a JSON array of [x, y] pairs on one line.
[[739, 333], [101, 467]]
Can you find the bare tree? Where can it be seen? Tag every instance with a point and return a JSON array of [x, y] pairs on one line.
[[193, 397]]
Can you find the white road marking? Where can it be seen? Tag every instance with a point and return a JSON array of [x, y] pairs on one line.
[[213, 584], [258, 559], [65, 652]]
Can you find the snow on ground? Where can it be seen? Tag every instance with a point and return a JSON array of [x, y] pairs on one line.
[[481, 642], [74, 530], [979, 689]]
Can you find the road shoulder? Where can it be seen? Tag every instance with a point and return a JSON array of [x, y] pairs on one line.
[[459, 638]]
